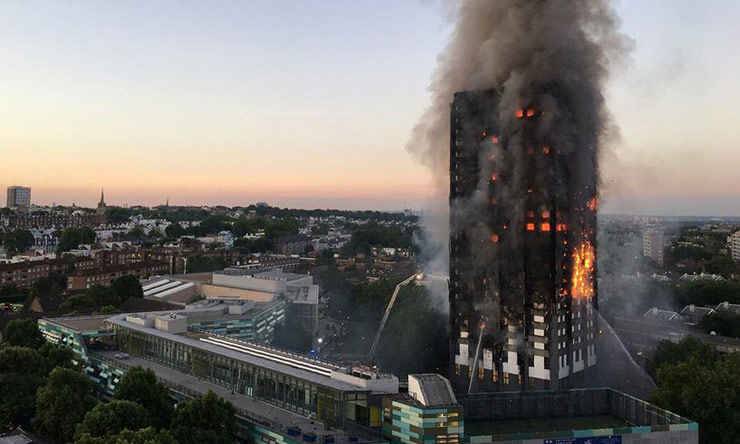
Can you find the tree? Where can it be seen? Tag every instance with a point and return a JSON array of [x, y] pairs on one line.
[[72, 237], [126, 287], [56, 356], [206, 419], [21, 374], [149, 435], [23, 333], [174, 230], [62, 403], [668, 353], [11, 294], [141, 386], [78, 303], [113, 417], [202, 264], [705, 391], [17, 241], [722, 323], [136, 234], [117, 215]]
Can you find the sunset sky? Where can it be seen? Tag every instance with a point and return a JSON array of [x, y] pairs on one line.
[[310, 103]]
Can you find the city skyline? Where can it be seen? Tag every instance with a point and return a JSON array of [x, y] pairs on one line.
[[234, 104]]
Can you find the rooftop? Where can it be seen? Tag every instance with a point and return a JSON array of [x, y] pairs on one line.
[[81, 323], [564, 415], [431, 390], [260, 412], [316, 372]]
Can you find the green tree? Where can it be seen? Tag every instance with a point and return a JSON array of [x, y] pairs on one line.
[[56, 356], [62, 403], [174, 230], [17, 241], [141, 386], [669, 353], [78, 303], [117, 215], [705, 391], [126, 287], [21, 374], [23, 333], [70, 238], [111, 418], [149, 435], [11, 294], [206, 419], [722, 323], [136, 234], [202, 264]]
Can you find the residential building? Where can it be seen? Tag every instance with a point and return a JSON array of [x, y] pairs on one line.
[[18, 197], [429, 413], [522, 254], [734, 242], [653, 244], [24, 274], [103, 276]]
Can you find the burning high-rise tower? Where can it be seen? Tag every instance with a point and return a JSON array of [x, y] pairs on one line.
[[522, 245], [527, 125]]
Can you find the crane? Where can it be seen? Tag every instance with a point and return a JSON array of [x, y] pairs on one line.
[[389, 307]]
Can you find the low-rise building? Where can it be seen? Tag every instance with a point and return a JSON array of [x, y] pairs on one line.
[[103, 276], [429, 413]]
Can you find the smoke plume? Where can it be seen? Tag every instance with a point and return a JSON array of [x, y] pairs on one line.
[[554, 54]]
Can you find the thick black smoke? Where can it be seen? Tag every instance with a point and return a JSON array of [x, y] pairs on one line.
[[554, 54]]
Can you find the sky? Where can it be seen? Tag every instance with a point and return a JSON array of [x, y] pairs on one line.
[[310, 103]]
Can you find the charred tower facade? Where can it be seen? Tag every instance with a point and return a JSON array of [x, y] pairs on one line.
[[522, 245]]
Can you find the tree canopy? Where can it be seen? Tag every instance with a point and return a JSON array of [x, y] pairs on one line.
[[17, 241], [206, 419], [72, 237], [22, 372], [695, 381], [111, 418], [23, 333], [149, 435], [62, 403], [141, 386]]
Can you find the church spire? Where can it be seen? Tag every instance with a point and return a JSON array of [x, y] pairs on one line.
[[102, 197]]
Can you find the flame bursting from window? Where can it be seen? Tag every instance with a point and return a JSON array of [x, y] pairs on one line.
[[582, 281]]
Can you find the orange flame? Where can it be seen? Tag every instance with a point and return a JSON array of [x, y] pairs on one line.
[[519, 114], [545, 226], [593, 204], [494, 139], [493, 177], [494, 238], [530, 112], [546, 150], [530, 226], [582, 279]]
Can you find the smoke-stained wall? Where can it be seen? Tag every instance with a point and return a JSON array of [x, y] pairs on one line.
[[521, 142]]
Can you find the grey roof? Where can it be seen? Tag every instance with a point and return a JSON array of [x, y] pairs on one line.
[[314, 378], [80, 324], [436, 390], [657, 313]]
